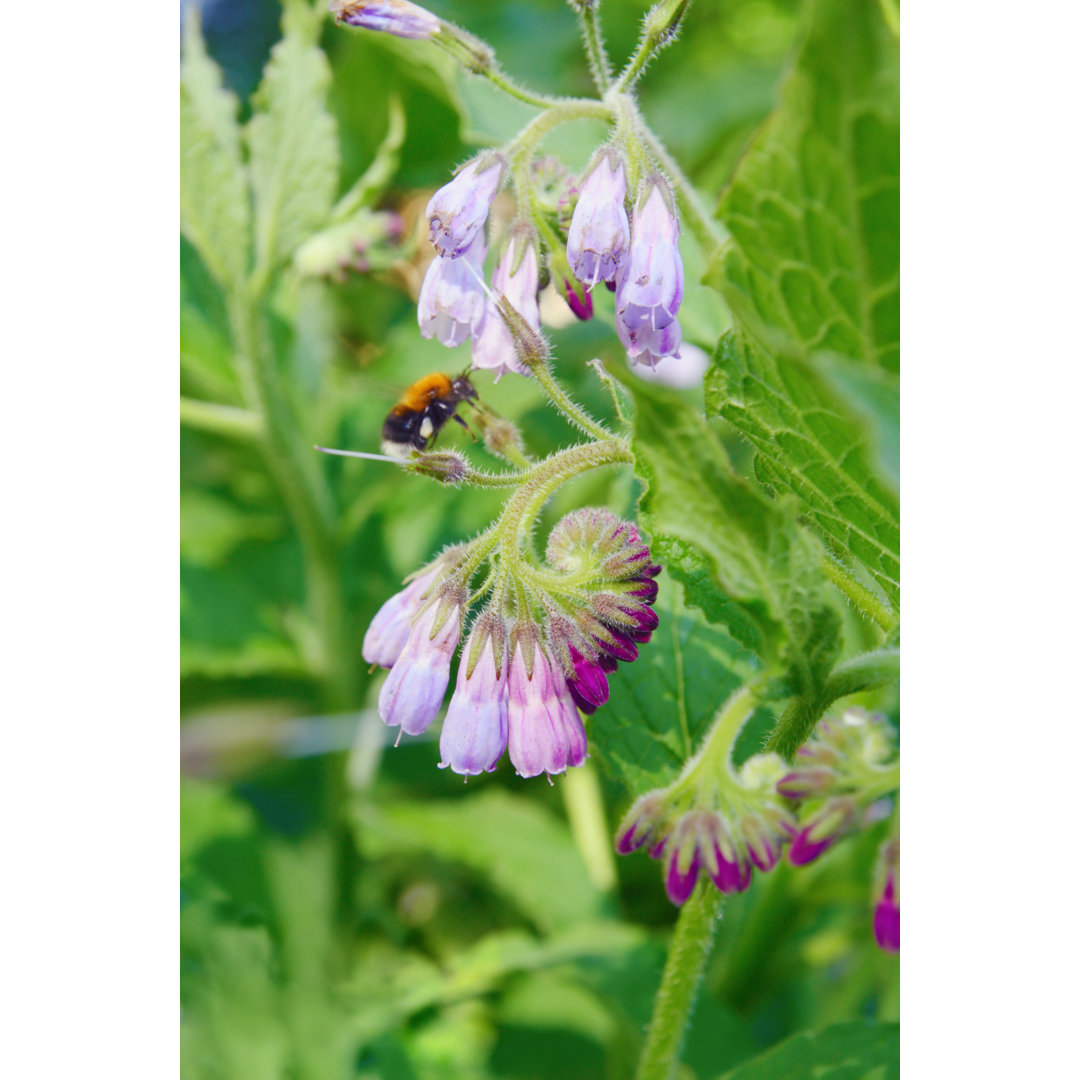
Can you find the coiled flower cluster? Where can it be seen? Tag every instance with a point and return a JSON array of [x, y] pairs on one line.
[[539, 651], [715, 820], [840, 784]]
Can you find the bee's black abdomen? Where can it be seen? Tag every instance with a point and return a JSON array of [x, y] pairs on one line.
[[404, 429]]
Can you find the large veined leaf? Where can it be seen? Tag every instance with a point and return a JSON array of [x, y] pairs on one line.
[[215, 204], [293, 141], [812, 265], [841, 1052], [809, 445], [662, 703], [744, 559]]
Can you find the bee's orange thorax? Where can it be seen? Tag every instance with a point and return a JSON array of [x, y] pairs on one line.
[[423, 390]]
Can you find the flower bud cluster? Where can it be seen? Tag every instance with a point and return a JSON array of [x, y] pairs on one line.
[[714, 820], [536, 656], [839, 776]]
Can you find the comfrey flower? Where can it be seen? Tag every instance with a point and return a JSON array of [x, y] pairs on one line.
[[457, 211], [475, 730], [715, 820], [397, 17], [414, 689], [649, 284], [546, 733], [517, 277], [887, 908], [451, 304], [599, 233], [841, 774], [569, 627]]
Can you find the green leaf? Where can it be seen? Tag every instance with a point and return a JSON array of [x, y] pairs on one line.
[[215, 206], [808, 445], [526, 853], [743, 558], [813, 262], [293, 142], [661, 704], [841, 1052]]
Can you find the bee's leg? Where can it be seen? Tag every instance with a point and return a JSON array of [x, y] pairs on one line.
[[466, 427]]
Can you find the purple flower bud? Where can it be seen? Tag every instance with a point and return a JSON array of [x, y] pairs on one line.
[[805, 782], [414, 689], [451, 303], [546, 733], [599, 230], [517, 277], [389, 630], [887, 917], [834, 821], [649, 287], [643, 824], [397, 17], [582, 308], [589, 681], [458, 210], [681, 874], [761, 845], [474, 732]]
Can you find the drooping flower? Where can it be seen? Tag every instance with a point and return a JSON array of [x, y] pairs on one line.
[[451, 304], [887, 908], [517, 277], [546, 733], [457, 211], [649, 284], [599, 233], [414, 689], [397, 17], [474, 733], [389, 630]]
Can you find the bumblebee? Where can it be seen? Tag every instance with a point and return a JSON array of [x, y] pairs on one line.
[[416, 420]]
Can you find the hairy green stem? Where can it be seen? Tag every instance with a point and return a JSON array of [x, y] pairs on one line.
[[862, 599], [690, 948], [599, 65], [307, 498], [565, 404]]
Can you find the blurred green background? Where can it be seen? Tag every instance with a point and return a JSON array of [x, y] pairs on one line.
[[348, 909]]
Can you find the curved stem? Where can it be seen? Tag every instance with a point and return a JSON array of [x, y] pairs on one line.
[[566, 405], [599, 64], [678, 991], [526, 141]]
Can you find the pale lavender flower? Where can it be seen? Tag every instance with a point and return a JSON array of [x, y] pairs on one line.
[[475, 730], [517, 277], [451, 304], [389, 629], [599, 230], [546, 733], [414, 689], [457, 211], [397, 17], [649, 285]]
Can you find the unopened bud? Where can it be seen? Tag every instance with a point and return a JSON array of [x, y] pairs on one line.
[[446, 466], [500, 436], [397, 17]]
